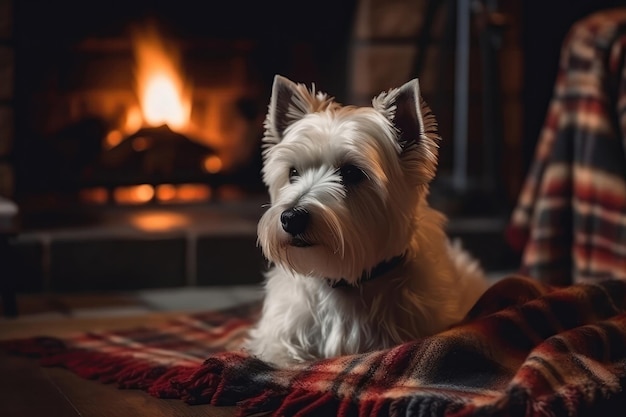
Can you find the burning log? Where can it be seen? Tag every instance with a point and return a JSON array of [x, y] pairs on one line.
[[156, 155]]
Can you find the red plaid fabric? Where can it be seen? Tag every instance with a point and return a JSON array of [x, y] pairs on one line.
[[570, 219], [525, 349]]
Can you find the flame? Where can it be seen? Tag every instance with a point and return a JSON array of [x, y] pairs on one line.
[[163, 95], [113, 138], [134, 120]]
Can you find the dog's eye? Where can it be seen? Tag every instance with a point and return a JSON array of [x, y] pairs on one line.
[[351, 174], [293, 174]]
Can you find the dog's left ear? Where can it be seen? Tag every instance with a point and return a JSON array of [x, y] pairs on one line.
[[417, 135]]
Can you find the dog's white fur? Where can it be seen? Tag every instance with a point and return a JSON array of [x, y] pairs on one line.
[[354, 227]]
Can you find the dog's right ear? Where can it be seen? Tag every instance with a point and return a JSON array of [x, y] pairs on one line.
[[289, 103], [283, 109]]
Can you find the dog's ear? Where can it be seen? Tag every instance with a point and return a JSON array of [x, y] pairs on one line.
[[416, 125], [283, 109], [289, 103]]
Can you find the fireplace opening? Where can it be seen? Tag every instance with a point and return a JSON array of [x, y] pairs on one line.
[[155, 103]]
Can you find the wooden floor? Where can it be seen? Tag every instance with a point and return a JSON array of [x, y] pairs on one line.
[[29, 390]]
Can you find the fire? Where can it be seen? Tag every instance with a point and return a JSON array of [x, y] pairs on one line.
[[135, 194], [164, 97]]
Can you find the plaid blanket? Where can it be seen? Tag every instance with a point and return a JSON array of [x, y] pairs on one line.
[[570, 218], [525, 349]]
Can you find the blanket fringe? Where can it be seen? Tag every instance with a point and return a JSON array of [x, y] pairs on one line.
[[165, 386], [303, 403], [127, 372], [220, 380], [201, 385], [298, 403], [264, 404]]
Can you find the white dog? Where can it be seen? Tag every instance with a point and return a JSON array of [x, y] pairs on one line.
[[361, 262]]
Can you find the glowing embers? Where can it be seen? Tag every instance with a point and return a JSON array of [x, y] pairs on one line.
[[183, 193], [135, 194], [146, 193], [212, 164]]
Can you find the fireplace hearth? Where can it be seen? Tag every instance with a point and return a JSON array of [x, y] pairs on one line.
[[155, 139]]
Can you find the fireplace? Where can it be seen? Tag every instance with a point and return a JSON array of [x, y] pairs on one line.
[[150, 103], [128, 128]]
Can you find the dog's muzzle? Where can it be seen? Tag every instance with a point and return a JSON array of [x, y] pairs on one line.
[[295, 221]]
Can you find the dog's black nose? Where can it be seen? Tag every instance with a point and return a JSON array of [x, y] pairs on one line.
[[294, 220]]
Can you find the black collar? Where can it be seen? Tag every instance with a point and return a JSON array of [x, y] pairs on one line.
[[379, 270]]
